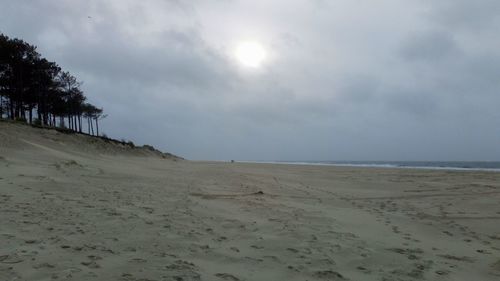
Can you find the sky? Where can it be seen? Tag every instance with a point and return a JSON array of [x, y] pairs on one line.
[[341, 79]]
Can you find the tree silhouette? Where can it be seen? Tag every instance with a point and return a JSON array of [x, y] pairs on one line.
[[31, 85]]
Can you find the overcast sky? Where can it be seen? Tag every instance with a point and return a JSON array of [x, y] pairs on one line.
[[342, 79]]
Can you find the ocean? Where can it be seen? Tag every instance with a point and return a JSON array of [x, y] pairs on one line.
[[443, 165]]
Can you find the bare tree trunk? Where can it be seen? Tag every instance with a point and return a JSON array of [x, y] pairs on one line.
[[11, 105], [17, 114], [97, 126], [45, 114], [92, 126], [38, 113]]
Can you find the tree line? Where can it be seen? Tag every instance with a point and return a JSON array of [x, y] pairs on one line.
[[39, 92]]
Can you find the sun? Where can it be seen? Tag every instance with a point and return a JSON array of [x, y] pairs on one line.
[[250, 54]]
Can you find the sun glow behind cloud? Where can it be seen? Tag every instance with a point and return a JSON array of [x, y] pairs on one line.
[[250, 54]]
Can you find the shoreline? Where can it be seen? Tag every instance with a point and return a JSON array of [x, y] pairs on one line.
[[376, 166]]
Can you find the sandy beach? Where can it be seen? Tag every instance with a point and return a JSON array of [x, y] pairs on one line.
[[77, 208]]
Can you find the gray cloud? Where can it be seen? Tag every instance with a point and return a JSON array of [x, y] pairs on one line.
[[406, 80], [468, 15], [430, 46]]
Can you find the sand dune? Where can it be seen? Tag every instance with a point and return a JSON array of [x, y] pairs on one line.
[[77, 208]]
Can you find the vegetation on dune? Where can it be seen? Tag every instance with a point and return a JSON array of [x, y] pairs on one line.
[[39, 92]]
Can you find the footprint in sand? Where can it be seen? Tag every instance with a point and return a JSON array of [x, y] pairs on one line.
[[448, 233], [148, 210], [44, 265], [31, 241], [66, 274], [416, 272], [183, 270], [442, 272], [457, 258], [329, 275], [496, 266], [273, 258], [411, 254], [227, 276], [363, 269], [293, 268], [221, 238], [91, 264], [11, 258], [494, 237]]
